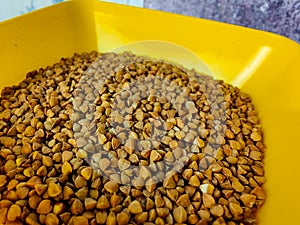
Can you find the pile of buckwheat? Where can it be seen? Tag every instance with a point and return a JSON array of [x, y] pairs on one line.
[[123, 139]]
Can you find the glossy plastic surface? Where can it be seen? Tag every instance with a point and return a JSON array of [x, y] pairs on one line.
[[265, 65]]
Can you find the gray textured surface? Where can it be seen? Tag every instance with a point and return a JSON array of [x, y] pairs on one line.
[[278, 16]]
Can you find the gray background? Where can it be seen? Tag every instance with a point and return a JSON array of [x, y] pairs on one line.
[[278, 16]]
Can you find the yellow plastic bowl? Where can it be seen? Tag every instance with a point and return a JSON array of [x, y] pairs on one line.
[[265, 65]]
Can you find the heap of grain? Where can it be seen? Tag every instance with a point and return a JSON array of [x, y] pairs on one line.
[[117, 139]]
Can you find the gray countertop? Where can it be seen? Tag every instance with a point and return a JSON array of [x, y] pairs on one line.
[[278, 16]]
